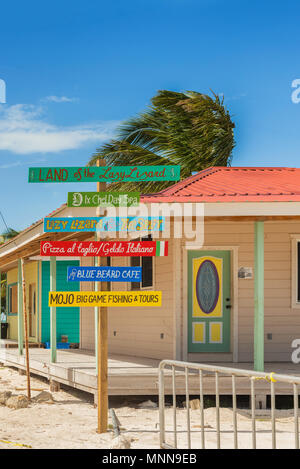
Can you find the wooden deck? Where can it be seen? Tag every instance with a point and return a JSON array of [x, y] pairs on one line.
[[9, 343], [128, 375], [76, 368]]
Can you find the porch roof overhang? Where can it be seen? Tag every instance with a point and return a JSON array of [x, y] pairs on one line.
[[27, 243]]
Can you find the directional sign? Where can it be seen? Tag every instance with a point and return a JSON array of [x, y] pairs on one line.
[[103, 248], [105, 174], [92, 298], [103, 199], [80, 224], [104, 274]]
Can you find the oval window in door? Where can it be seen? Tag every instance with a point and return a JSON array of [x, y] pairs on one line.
[[207, 286]]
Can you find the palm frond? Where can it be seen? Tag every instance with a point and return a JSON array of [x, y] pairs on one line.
[[190, 129]]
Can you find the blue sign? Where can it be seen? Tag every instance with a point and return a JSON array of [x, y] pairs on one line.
[[104, 274], [80, 224]]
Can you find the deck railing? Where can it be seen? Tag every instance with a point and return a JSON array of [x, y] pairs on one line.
[[187, 370]]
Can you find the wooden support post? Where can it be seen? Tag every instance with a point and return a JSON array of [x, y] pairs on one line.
[[20, 309], [259, 296], [53, 310], [26, 330], [102, 356], [0, 294]]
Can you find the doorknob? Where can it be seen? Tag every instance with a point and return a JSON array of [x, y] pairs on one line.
[[228, 306]]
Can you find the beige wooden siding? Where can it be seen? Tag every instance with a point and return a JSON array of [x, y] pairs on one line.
[[281, 320], [137, 331]]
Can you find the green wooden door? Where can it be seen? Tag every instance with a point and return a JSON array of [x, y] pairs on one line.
[[67, 319], [209, 301]]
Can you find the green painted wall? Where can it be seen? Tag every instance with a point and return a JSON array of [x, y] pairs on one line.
[[67, 319]]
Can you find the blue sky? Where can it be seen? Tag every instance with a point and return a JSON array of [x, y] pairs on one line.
[[75, 69]]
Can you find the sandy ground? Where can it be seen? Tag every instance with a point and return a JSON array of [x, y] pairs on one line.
[[70, 422]]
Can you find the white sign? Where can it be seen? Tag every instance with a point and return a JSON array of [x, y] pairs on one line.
[[245, 272]]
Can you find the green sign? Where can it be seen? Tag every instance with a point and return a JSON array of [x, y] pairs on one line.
[[105, 174], [103, 199]]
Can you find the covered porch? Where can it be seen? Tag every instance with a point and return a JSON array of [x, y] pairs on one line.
[[129, 375]]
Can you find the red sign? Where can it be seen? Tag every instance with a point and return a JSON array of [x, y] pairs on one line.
[[104, 248]]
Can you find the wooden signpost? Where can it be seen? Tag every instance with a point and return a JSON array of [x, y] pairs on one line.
[[102, 330], [104, 298], [100, 250], [90, 224], [103, 199], [104, 248], [104, 174], [104, 274]]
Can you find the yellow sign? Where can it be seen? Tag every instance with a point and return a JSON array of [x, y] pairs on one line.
[[92, 298]]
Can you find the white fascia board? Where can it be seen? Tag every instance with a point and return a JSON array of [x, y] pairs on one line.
[[233, 209], [224, 209], [20, 241]]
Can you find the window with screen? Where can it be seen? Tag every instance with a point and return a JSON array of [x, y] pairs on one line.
[[13, 298]]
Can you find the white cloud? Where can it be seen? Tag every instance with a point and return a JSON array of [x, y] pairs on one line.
[[59, 99], [24, 130]]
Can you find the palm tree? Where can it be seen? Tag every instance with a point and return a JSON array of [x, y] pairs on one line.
[[189, 129], [8, 234]]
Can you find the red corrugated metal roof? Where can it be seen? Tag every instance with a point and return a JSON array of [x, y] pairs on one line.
[[234, 184]]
